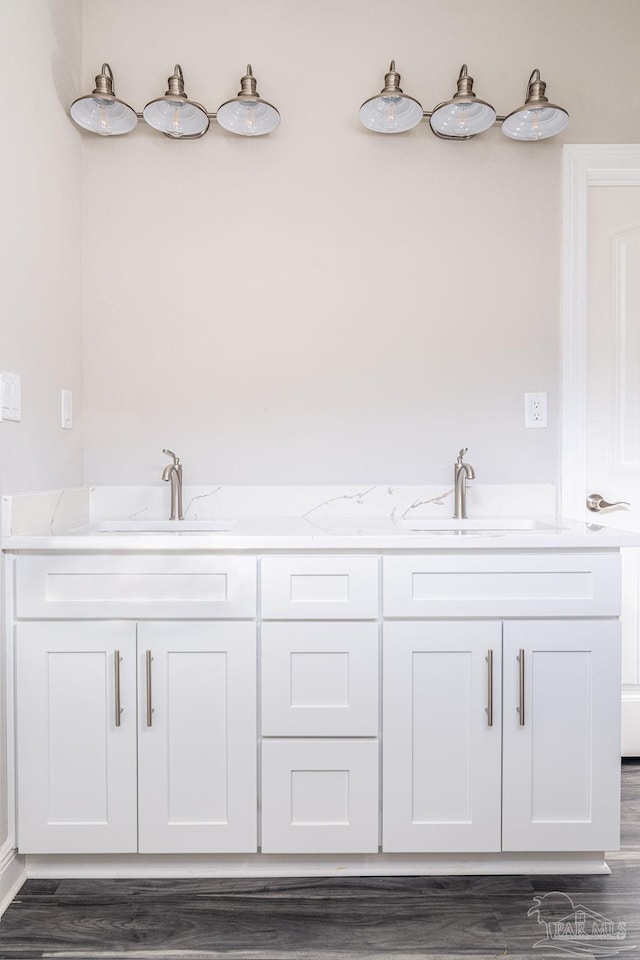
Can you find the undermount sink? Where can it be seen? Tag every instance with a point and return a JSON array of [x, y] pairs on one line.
[[485, 523], [164, 526]]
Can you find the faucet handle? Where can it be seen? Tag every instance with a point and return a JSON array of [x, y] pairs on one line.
[[462, 454], [170, 453]]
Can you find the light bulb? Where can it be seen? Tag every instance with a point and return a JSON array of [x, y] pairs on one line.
[[248, 119], [391, 113], [104, 126]]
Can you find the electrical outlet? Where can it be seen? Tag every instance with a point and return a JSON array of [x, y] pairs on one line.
[[535, 410]]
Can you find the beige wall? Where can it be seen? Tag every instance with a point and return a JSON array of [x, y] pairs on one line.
[[325, 304], [40, 253]]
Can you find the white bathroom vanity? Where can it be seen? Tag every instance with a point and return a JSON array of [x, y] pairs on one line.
[[294, 697]]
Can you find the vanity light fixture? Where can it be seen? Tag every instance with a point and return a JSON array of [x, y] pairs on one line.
[[102, 112], [391, 111], [464, 116], [248, 114], [174, 114], [537, 119]]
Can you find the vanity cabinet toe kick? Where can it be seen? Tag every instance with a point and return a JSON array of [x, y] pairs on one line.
[[397, 712]]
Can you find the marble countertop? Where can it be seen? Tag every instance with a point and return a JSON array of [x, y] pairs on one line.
[[344, 533]]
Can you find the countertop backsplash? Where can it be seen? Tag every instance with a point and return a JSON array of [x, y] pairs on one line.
[[41, 510]]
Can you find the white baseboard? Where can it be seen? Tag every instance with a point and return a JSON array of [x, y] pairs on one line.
[[631, 721], [13, 874], [264, 865]]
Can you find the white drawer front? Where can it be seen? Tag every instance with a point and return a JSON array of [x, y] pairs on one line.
[[142, 586], [319, 796], [320, 588], [520, 585], [320, 679]]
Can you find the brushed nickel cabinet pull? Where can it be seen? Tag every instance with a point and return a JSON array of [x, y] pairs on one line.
[[520, 659], [489, 707], [149, 706], [116, 671]]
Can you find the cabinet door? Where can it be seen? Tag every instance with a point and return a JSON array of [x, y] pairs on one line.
[[198, 748], [76, 764], [441, 737], [561, 735]]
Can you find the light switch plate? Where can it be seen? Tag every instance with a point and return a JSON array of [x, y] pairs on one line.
[[66, 409], [11, 396]]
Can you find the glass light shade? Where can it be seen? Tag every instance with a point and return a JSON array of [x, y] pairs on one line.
[[176, 117], [249, 118], [462, 118], [393, 114], [106, 116], [535, 123]]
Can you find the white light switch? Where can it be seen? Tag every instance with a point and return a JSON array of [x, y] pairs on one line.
[[11, 396], [67, 409]]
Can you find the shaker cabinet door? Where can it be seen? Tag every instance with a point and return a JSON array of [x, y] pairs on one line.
[[441, 737], [76, 718], [561, 735], [197, 747]]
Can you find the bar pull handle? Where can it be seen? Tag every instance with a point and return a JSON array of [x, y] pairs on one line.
[[489, 706], [116, 670], [520, 707], [149, 658]]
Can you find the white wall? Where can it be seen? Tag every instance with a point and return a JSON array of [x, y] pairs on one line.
[[40, 253], [326, 304]]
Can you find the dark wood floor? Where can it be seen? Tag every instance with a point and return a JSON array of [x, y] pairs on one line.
[[322, 919]]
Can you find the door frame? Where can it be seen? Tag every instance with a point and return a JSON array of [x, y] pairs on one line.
[[584, 165]]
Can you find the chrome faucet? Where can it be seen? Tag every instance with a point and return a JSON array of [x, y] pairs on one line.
[[461, 473], [173, 472]]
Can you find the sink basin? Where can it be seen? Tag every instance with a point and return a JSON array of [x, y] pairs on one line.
[[164, 526], [485, 523]]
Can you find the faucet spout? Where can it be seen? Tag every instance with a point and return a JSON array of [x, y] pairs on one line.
[[172, 473], [461, 473]]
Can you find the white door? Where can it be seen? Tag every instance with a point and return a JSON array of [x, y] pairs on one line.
[[441, 737], [76, 712], [197, 745], [601, 429], [561, 724]]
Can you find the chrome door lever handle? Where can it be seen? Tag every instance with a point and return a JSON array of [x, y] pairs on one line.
[[596, 503]]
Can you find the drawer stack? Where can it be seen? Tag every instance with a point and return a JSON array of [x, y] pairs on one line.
[[320, 715]]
